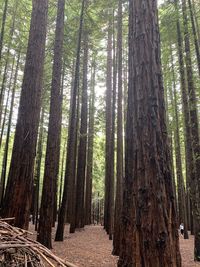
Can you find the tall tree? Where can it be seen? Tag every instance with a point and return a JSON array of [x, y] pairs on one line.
[[53, 138], [196, 44], [18, 193], [90, 149], [82, 150], [118, 198], [6, 148], [194, 122], [108, 125], [149, 226], [68, 192], [185, 107]]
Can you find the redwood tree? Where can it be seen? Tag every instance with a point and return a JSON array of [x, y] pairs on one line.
[[149, 225], [53, 139], [18, 193]]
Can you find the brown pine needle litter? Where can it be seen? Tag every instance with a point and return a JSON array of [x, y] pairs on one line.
[[17, 250]]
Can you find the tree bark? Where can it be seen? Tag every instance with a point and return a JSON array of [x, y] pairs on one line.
[[18, 193], [53, 139], [195, 174], [149, 226], [108, 124], [71, 144], [81, 166], [119, 185], [185, 105], [6, 149], [89, 171]]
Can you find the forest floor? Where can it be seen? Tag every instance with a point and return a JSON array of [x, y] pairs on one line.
[[91, 248]]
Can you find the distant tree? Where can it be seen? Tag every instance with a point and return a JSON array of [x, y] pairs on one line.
[[119, 181]]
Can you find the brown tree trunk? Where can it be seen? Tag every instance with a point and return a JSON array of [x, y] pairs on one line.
[[53, 138], [118, 198], [3, 85], [187, 127], [196, 20], [71, 144], [112, 144], [6, 105], [195, 174], [6, 149], [37, 173], [108, 124], [89, 172], [20, 181], [149, 226], [81, 166], [7, 59], [179, 171]]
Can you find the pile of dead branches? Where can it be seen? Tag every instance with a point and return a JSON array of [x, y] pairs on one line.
[[17, 250]]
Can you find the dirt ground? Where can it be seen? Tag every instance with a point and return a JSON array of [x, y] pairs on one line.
[[91, 248]]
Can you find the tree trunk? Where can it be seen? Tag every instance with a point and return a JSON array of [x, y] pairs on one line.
[[7, 100], [81, 167], [179, 171], [118, 198], [71, 144], [3, 26], [7, 58], [149, 226], [89, 172], [38, 168], [53, 139], [6, 149], [20, 180], [185, 105], [196, 44], [108, 124], [194, 181]]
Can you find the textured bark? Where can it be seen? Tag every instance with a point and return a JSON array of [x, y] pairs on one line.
[[53, 138], [20, 180], [82, 150], [108, 124], [118, 198], [6, 148], [71, 143], [149, 226], [195, 174], [89, 172]]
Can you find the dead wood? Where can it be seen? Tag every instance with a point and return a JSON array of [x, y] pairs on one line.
[[16, 249]]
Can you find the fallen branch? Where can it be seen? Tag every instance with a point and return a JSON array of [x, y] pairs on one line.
[[16, 249]]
